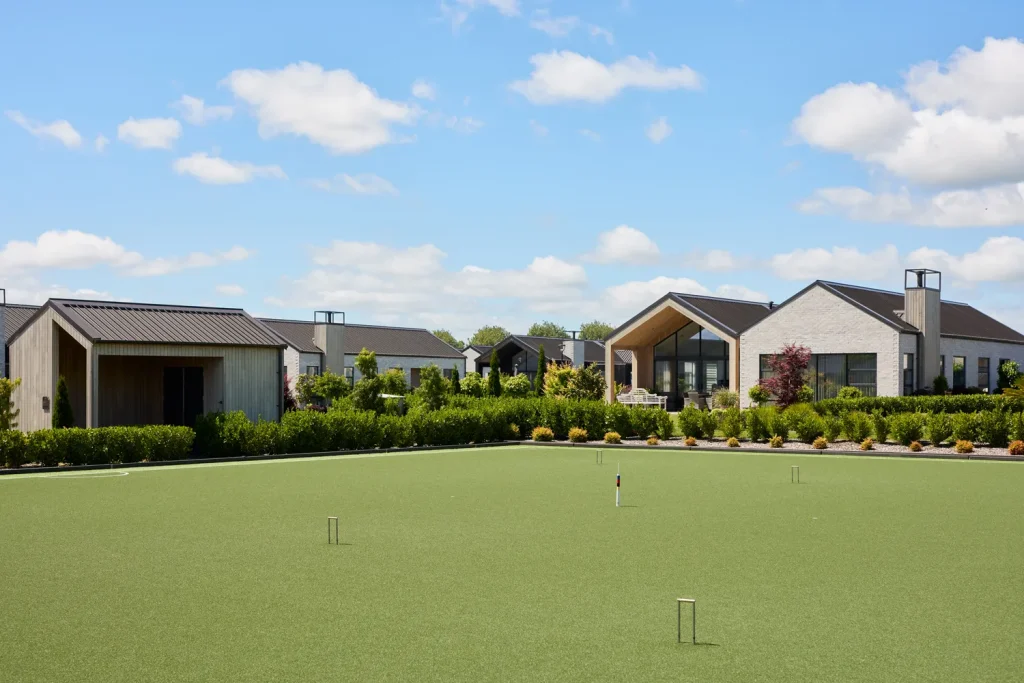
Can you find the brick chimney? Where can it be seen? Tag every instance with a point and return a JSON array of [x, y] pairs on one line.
[[922, 309]]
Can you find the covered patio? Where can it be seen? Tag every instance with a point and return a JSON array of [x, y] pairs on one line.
[[684, 345]]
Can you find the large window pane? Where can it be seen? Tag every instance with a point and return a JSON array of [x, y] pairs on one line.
[[687, 373], [689, 340], [983, 377], [831, 375], [663, 377], [959, 372], [862, 372], [908, 374], [712, 346], [666, 348], [766, 371], [716, 375]]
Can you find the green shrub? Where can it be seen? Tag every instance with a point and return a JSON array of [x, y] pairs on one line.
[[62, 416], [8, 413], [994, 428], [612, 437], [757, 422], [806, 423], [778, 424], [644, 421], [940, 385], [690, 422], [708, 423], [907, 428], [856, 425], [543, 434], [731, 422], [890, 405], [617, 419], [473, 385], [724, 399], [879, 426], [833, 427], [847, 393], [940, 428], [759, 395], [395, 432], [666, 426], [13, 448], [805, 394], [1017, 426], [964, 426], [515, 386], [577, 435], [44, 448]]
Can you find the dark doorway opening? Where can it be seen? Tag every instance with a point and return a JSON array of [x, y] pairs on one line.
[[183, 395]]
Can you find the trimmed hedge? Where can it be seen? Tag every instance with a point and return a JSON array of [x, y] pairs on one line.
[[891, 405], [100, 446]]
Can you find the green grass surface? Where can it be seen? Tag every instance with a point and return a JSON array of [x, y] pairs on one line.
[[513, 564]]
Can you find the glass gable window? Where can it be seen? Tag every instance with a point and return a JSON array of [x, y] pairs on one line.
[[908, 374], [690, 359]]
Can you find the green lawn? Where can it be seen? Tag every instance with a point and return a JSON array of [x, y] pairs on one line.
[[513, 564]]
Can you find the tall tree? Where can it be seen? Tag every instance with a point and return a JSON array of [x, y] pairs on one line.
[[547, 328], [449, 338], [542, 365], [595, 329], [62, 415], [494, 376], [456, 385], [8, 414], [488, 335]]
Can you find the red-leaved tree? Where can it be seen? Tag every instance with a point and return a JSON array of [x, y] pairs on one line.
[[788, 369]]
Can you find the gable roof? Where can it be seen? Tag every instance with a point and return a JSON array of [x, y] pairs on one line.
[[956, 319], [593, 350], [15, 317], [383, 340], [108, 322], [733, 316]]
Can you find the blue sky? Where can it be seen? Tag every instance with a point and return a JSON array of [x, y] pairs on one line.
[[558, 160]]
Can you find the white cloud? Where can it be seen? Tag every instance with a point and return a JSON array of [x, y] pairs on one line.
[[75, 250], [590, 135], [598, 32], [59, 130], [570, 77], [962, 126], [459, 12], [715, 260], [624, 245], [659, 130], [231, 290], [217, 171], [1000, 205], [999, 259], [837, 263], [195, 111], [331, 108], [362, 183], [424, 90], [556, 27], [628, 298], [540, 130], [546, 277], [370, 257], [27, 289], [101, 143], [463, 124], [149, 133]]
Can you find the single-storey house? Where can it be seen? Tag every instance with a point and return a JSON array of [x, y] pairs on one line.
[[12, 318], [474, 353], [519, 354], [882, 342], [410, 349], [134, 364]]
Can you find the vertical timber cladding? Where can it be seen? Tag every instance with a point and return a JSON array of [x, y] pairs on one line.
[[35, 356], [246, 378]]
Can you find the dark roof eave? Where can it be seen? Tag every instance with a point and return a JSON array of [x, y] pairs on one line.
[[1019, 342]]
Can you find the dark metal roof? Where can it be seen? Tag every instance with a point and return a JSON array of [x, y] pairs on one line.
[[15, 317], [956, 319], [479, 348], [381, 339], [593, 350], [732, 315], [108, 322]]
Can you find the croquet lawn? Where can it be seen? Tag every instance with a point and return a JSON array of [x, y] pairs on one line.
[[513, 564]]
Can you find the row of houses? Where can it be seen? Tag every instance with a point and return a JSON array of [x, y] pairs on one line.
[[130, 363]]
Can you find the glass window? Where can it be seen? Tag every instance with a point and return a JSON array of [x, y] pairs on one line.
[[766, 370], [350, 374], [716, 374], [663, 377], [713, 346], [286, 371], [687, 373], [983, 374], [862, 372], [908, 374], [312, 369], [689, 341], [666, 347], [959, 372]]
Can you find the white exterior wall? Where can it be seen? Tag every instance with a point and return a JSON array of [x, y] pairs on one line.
[[384, 363], [973, 349], [307, 359], [291, 362], [908, 344], [471, 356], [824, 323]]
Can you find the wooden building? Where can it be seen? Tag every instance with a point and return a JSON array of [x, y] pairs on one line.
[[135, 364]]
